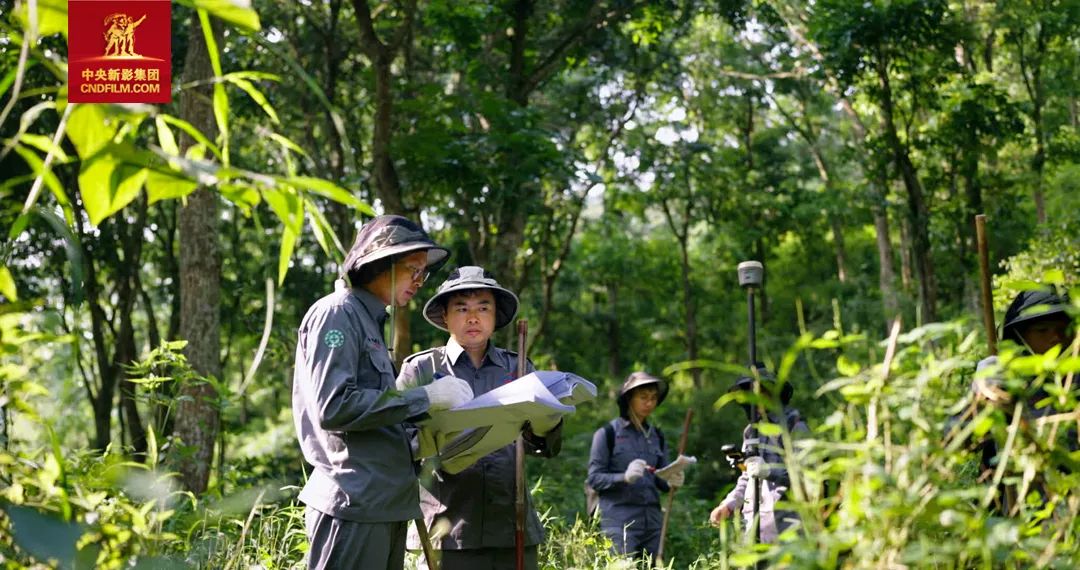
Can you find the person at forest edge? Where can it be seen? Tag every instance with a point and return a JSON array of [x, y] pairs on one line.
[[477, 503], [764, 462], [349, 420], [625, 455], [1036, 320]]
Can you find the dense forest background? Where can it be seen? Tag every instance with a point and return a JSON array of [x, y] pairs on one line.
[[612, 162]]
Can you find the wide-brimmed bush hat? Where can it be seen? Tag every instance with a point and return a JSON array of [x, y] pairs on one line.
[[468, 278], [1028, 306], [389, 235], [636, 380]]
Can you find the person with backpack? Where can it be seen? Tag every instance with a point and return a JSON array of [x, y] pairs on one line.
[[764, 462], [625, 455]]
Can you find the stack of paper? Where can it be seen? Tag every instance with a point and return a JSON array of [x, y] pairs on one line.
[[493, 420]]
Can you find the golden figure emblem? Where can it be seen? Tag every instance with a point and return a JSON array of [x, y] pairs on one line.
[[120, 35]]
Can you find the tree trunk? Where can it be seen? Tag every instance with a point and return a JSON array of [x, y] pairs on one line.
[[917, 209], [614, 356], [197, 412], [886, 275]]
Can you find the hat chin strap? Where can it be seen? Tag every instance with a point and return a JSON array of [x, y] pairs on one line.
[[393, 307]]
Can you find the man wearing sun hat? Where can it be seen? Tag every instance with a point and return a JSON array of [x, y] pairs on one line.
[[476, 505], [362, 488]]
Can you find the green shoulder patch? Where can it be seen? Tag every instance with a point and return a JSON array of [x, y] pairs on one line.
[[334, 338]]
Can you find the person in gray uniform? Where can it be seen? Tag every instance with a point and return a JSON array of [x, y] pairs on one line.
[[362, 489], [764, 462], [476, 505], [625, 455]]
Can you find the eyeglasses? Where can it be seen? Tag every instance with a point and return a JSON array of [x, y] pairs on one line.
[[417, 274]]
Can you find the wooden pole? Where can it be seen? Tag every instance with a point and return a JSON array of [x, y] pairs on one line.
[[425, 543], [984, 271], [519, 462], [671, 494]]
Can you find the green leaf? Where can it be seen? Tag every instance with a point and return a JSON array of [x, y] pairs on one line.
[[192, 132], [9, 77], [45, 145], [322, 230], [288, 243], [37, 165], [44, 537], [165, 186], [72, 248], [165, 136], [288, 144], [235, 12], [330, 190], [769, 429], [287, 206], [847, 367], [7, 284], [243, 196], [107, 185], [253, 92], [52, 17], [90, 129]]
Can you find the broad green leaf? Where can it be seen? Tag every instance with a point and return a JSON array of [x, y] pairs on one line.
[[236, 12], [253, 92], [164, 186], [107, 185], [52, 17], [7, 284], [330, 190], [288, 243], [43, 536], [90, 129]]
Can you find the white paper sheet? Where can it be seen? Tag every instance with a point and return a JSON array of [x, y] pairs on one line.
[[493, 420]]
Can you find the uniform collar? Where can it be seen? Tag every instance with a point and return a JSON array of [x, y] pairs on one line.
[[374, 305], [624, 423], [455, 350]]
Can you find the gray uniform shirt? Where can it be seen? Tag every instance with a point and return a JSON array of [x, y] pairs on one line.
[[620, 502], [348, 415], [478, 502]]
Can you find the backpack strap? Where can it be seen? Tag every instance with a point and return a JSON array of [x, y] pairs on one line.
[[609, 431]]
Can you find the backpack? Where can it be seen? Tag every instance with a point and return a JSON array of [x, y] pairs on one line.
[[592, 496]]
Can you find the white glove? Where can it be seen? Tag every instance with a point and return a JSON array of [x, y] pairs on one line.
[[757, 468], [987, 362], [635, 471], [448, 392], [675, 478]]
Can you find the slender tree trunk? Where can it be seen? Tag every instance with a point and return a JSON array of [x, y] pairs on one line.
[[917, 209], [197, 415], [886, 274], [614, 348], [906, 275]]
